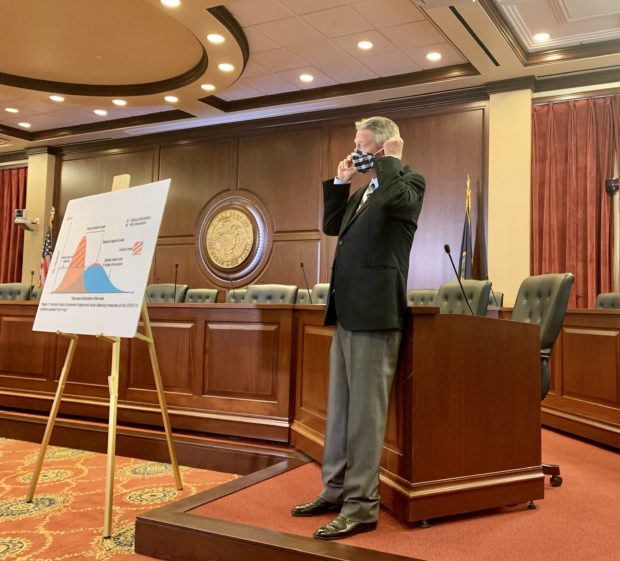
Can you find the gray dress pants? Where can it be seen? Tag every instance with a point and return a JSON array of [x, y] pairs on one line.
[[361, 370]]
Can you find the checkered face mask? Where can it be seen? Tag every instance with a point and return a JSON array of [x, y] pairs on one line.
[[363, 161]]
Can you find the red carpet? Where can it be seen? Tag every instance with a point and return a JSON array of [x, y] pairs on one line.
[[578, 521], [64, 522]]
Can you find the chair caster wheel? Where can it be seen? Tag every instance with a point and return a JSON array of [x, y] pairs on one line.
[[531, 506], [556, 480], [425, 524]]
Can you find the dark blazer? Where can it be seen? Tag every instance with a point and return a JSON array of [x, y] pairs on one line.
[[369, 275]]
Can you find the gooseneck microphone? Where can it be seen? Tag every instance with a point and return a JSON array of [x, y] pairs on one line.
[[31, 280], [301, 264], [446, 248], [492, 293], [232, 289], [176, 272]]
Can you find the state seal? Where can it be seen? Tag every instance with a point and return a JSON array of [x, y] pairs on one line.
[[229, 238]]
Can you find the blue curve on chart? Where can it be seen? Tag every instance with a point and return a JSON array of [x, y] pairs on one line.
[[97, 281]]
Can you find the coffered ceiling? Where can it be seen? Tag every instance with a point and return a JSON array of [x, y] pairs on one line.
[[114, 63]]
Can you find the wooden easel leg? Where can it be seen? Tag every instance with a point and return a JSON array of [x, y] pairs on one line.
[[113, 387], [162, 398], [52, 417]]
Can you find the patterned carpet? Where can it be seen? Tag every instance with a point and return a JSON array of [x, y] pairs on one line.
[[65, 519]]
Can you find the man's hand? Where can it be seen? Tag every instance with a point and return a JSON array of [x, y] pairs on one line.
[[394, 147], [346, 170]]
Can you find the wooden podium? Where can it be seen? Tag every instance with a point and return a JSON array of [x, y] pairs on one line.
[[463, 431]]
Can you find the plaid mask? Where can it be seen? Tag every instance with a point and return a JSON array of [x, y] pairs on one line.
[[363, 161]]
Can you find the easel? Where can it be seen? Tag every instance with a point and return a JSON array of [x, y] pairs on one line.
[[119, 182]]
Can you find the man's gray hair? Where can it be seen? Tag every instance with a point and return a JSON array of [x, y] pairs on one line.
[[382, 128]]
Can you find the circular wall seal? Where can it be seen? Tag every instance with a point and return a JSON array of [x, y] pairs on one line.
[[234, 239], [229, 238]]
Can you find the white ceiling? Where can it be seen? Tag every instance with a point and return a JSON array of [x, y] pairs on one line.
[[82, 45]]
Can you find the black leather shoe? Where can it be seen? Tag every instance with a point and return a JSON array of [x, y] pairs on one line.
[[315, 507], [342, 527]]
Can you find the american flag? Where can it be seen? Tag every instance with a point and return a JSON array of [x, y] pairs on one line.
[[46, 258]]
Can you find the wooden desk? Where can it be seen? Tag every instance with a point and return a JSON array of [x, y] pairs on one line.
[[584, 397], [463, 429], [226, 369]]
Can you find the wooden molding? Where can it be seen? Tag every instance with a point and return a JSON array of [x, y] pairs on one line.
[[413, 78], [574, 52], [173, 532], [229, 22], [111, 90], [48, 134]]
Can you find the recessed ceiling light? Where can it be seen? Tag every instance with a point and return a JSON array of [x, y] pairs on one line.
[[433, 57], [226, 67], [208, 87], [57, 98], [215, 38], [119, 102], [171, 98], [11, 109], [306, 77], [100, 112], [365, 45], [171, 3], [25, 125], [540, 37]]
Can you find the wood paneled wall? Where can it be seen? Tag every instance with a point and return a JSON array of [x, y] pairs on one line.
[[284, 166]]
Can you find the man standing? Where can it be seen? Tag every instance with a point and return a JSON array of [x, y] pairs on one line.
[[367, 303]]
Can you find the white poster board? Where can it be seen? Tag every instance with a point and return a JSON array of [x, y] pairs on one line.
[[101, 262]]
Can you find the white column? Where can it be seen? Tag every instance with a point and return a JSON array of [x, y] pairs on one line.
[[509, 204]]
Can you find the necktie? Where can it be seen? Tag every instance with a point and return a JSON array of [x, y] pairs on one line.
[[369, 191]]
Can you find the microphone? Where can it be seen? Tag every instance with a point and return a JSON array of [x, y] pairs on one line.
[[446, 248], [31, 280], [301, 264], [176, 271], [232, 289]]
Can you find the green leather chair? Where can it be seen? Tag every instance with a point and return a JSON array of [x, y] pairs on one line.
[[271, 294], [236, 296], [320, 292], [201, 296], [450, 299], [167, 293], [14, 291], [543, 300], [304, 297], [421, 296], [608, 301], [496, 299]]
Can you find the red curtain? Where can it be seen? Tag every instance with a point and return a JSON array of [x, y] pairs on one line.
[[12, 196], [572, 154]]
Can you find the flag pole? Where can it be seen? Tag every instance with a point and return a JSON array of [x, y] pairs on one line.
[[465, 261]]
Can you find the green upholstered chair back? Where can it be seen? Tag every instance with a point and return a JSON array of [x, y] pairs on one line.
[[608, 301], [543, 299], [236, 296], [303, 296], [320, 292], [496, 299], [14, 291], [450, 299], [201, 296], [421, 297], [35, 293], [166, 293], [271, 294]]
